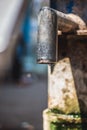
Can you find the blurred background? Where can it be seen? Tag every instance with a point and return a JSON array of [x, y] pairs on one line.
[[23, 83]]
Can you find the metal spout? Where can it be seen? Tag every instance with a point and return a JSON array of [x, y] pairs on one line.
[[47, 36], [49, 22]]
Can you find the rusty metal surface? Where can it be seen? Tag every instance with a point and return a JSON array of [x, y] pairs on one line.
[[78, 7], [76, 50], [49, 21], [65, 23], [47, 36], [69, 22], [77, 33]]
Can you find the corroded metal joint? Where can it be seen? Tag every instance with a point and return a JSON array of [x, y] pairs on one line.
[[49, 22]]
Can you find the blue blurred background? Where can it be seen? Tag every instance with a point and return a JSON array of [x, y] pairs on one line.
[[27, 51], [23, 82]]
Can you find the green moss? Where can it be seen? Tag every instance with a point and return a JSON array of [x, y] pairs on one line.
[[60, 121], [54, 115], [56, 111], [65, 126]]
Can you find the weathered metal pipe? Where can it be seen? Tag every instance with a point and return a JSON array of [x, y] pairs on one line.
[[49, 21], [47, 36], [65, 23]]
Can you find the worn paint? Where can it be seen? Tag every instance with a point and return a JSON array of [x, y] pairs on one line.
[[76, 49], [61, 88]]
